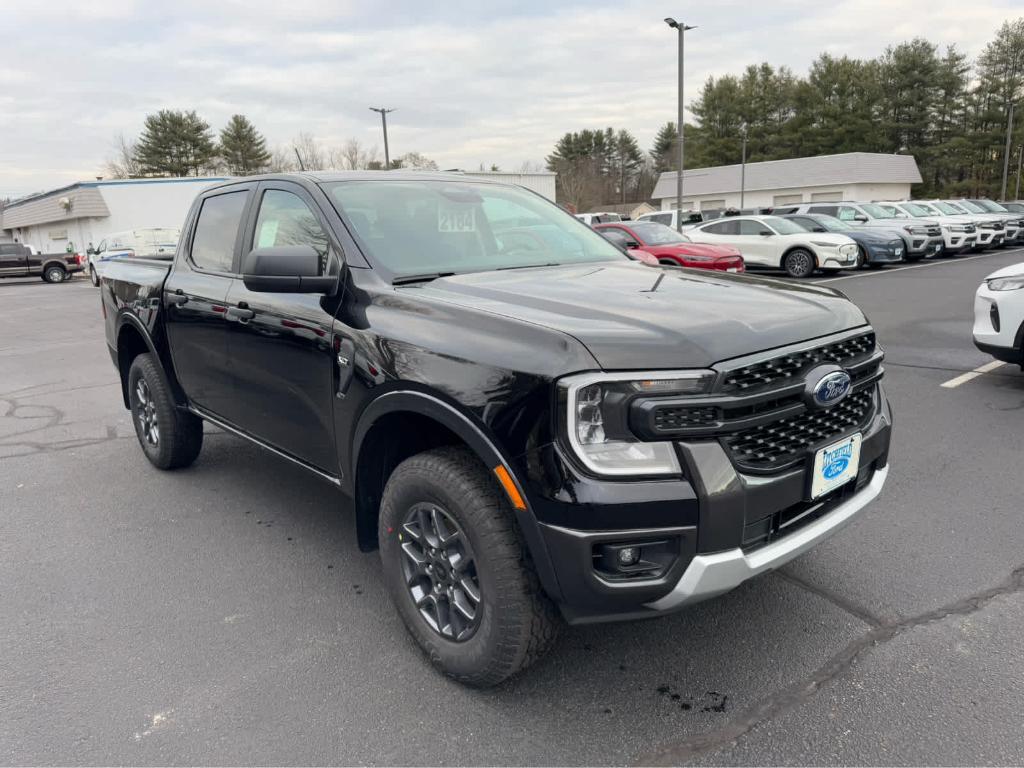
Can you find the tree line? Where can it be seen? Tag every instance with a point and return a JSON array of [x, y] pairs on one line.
[[951, 114], [181, 143]]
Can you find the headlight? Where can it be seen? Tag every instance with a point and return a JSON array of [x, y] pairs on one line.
[[1014, 283], [820, 244], [916, 230], [596, 408], [848, 249], [960, 227]]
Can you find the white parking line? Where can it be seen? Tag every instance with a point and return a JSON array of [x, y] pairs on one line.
[[971, 375], [943, 263]]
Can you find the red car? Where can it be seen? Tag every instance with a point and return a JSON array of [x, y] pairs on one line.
[[670, 247]]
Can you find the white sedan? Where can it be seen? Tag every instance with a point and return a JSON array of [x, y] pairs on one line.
[[776, 243], [999, 315]]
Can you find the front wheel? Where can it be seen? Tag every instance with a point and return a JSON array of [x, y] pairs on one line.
[[799, 263], [93, 277], [862, 258], [169, 436], [457, 570]]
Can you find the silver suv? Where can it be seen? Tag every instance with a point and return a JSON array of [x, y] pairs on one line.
[[922, 237]]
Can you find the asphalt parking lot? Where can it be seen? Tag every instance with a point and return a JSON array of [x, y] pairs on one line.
[[224, 615]]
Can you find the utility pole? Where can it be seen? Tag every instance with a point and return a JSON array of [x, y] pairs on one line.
[[299, 158], [384, 123], [681, 28], [743, 166], [1006, 153], [1020, 163]]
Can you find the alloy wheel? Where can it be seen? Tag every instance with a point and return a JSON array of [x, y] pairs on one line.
[[800, 263], [145, 412], [440, 572]]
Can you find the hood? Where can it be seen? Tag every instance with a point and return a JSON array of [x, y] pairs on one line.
[[874, 235], [697, 249], [633, 317], [1011, 271]]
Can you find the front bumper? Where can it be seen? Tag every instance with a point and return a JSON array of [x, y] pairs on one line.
[[885, 254], [999, 323], [922, 246], [722, 526]]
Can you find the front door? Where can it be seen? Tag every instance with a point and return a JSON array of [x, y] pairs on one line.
[[13, 259], [280, 344], [195, 299]]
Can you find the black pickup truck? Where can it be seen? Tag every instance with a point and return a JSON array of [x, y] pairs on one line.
[[17, 260], [530, 426]]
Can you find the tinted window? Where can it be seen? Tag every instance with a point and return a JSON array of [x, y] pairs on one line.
[[660, 218], [723, 228], [750, 227], [828, 210], [213, 245], [617, 236], [285, 219]]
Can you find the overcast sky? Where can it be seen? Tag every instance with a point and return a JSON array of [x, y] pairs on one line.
[[490, 81]]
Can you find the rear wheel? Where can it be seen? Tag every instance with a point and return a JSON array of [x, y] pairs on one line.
[[54, 274], [170, 437], [457, 570], [799, 263]]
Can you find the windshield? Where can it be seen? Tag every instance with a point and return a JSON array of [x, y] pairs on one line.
[[988, 205], [783, 226], [877, 211], [653, 233], [929, 208], [830, 223], [971, 206], [916, 210], [432, 227], [948, 209]]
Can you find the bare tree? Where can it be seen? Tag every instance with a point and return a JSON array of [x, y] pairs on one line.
[[352, 156], [123, 164], [282, 160], [530, 166], [314, 156]]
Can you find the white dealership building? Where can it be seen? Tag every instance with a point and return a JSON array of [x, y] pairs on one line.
[[860, 176], [86, 212]]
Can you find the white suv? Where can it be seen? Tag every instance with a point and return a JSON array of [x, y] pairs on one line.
[[922, 237], [958, 235], [775, 243], [999, 315]]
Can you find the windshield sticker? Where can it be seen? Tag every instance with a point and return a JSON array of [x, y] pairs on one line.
[[456, 219], [268, 234]]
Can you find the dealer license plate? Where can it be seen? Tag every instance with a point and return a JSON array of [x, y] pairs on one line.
[[835, 465]]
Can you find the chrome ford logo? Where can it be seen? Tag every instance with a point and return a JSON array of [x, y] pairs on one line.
[[831, 388]]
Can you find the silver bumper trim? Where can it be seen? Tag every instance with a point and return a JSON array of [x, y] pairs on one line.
[[710, 575]]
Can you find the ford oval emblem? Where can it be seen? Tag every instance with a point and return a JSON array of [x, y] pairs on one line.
[[831, 389], [836, 467]]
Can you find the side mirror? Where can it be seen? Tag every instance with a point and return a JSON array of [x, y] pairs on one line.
[[818, 229], [644, 256], [860, 217], [766, 233], [286, 269], [632, 244]]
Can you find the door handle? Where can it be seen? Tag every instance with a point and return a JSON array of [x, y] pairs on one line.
[[177, 298], [241, 314]]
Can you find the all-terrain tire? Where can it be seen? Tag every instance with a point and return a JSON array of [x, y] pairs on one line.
[[518, 622], [170, 437]]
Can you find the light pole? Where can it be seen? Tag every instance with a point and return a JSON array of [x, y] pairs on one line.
[[1006, 153], [743, 165], [384, 123], [1020, 164], [681, 28]]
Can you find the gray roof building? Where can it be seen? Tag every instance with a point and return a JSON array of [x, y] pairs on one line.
[[801, 173]]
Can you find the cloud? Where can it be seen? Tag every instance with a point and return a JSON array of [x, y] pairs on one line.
[[494, 83]]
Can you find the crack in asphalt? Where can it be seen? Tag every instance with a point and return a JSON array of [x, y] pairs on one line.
[[843, 603], [792, 696]]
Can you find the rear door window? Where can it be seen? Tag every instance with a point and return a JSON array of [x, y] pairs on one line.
[[213, 245]]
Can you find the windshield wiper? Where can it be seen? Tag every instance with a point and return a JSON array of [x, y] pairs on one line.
[[527, 266], [424, 278]]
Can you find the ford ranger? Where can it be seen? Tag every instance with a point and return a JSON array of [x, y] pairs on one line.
[[531, 427]]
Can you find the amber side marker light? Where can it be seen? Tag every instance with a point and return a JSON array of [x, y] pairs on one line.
[[510, 487]]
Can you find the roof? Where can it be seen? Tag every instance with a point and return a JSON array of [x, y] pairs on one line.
[[85, 200], [820, 171]]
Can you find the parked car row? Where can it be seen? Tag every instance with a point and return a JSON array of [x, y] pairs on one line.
[[810, 237]]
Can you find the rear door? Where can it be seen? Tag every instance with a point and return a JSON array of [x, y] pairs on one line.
[[280, 344], [195, 297]]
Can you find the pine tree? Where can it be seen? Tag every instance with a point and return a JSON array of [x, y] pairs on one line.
[[242, 147], [663, 153], [175, 143]]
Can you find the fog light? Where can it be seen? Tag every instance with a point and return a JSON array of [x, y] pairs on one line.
[[629, 556]]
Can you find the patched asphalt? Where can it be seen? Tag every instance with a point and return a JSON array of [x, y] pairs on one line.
[[224, 615]]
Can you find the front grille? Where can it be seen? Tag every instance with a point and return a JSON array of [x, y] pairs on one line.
[[786, 368], [671, 418], [784, 442], [934, 232]]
